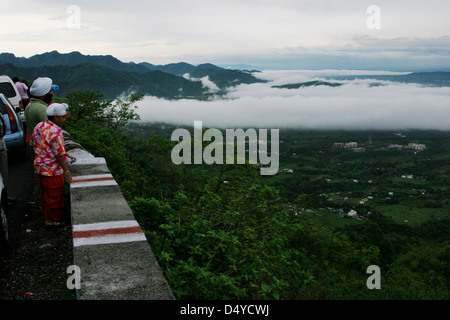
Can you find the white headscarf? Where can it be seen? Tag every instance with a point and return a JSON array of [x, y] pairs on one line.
[[57, 109], [41, 86]]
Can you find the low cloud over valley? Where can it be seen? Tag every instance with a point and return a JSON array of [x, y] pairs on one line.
[[356, 104]]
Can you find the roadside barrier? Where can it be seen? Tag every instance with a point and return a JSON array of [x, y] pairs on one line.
[[110, 249]]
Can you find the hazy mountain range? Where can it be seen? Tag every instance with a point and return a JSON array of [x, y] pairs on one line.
[[112, 77], [435, 78], [430, 79]]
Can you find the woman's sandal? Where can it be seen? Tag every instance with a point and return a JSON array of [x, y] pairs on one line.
[[50, 223]]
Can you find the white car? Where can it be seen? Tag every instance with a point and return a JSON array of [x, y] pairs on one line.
[[8, 88]]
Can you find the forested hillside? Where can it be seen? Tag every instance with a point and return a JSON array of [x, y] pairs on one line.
[[110, 83]]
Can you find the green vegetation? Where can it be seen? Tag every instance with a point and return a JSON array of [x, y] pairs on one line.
[[225, 232]]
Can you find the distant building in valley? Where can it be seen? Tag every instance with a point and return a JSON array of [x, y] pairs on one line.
[[349, 145], [345, 145], [396, 146], [411, 146], [416, 146]]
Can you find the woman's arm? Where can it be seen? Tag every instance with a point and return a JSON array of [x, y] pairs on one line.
[[63, 164]]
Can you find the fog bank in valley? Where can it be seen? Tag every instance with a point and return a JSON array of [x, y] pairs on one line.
[[356, 104]]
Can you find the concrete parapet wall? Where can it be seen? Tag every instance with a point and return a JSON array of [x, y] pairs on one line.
[[110, 248]]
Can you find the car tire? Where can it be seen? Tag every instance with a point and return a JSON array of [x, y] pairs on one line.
[[3, 227]]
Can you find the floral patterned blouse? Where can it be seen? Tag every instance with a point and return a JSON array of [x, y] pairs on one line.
[[48, 143]]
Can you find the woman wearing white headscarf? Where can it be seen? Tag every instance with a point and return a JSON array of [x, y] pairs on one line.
[[50, 163]]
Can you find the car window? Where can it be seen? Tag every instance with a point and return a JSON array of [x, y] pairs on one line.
[[7, 89]]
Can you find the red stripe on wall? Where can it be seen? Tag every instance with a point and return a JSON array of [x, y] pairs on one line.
[[93, 179], [105, 232]]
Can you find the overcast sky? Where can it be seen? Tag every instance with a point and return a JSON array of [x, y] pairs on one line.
[[268, 34]]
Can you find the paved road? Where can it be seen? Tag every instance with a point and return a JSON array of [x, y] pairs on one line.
[[35, 266]]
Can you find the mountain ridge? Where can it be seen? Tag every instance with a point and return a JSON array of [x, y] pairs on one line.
[[54, 58], [431, 78], [223, 78], [109, 82]]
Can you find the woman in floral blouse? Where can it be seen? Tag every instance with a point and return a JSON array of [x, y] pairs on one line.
[[50, 163]]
